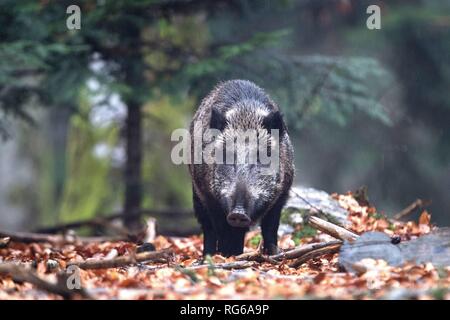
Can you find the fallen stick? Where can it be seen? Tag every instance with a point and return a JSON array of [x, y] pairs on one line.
[[24, 274], [302, 250], [332, 229], [256, 256], [418, 203], [309, 250], [226, 265], [286, 255], [330, 248], [249, 256], [160, 256], [29, 237]]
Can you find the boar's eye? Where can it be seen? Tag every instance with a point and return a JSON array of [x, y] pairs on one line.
[[273, 121], [218, 120]]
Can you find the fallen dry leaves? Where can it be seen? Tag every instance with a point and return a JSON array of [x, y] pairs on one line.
[[180, 279]]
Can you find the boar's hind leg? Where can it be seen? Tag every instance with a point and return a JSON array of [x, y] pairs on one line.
[[209, 234], [269, 228], [231, 241]]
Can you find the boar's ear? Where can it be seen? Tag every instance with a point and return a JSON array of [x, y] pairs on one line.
[[218, 120], [274, 120]]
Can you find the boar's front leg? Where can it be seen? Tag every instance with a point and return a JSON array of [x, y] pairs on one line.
[[269, 228], [231, 241], [209, 238], [209, 234]]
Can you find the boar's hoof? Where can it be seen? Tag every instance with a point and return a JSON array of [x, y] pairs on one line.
[[271, 250]]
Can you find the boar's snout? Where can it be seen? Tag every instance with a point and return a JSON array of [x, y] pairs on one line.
[[238, 219]]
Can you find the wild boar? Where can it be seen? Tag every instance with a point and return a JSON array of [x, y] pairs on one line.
[[231, 196]]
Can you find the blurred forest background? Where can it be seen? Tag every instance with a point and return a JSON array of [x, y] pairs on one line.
[[86, 115]]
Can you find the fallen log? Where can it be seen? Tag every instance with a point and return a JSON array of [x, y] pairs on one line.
[[159, 256]]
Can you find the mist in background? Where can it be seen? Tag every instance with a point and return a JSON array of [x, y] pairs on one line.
[[364, 107]]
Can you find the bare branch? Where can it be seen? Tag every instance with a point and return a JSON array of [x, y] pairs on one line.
[[158, 256], [332, 229], [302, 250], [329, 248], [418, 203]]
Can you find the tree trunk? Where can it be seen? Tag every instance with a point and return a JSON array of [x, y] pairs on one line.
[[133, 183]]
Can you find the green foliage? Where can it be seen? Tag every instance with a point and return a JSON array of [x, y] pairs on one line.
[[224, 61], [376, 215], [192, 276], [333, 89], [37, 60], [304, 232], [256, 240], [211, 269], [439, 293]]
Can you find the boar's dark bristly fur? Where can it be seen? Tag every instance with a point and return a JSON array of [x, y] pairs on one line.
[[230, 198]]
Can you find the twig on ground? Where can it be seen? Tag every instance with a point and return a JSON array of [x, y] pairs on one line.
[[157, 256], [256, 256], [302, 250], [248, 256], [330, 248], [418, 203], [226, 265], [309, 251]]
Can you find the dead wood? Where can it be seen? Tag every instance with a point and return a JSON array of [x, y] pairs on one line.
[[256, 256], [309, 251], [330, 248], [418, 203], [302, 250], [226, 265], [122, 261], [332, 229]]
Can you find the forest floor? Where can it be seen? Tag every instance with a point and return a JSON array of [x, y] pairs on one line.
[[181, 276]]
